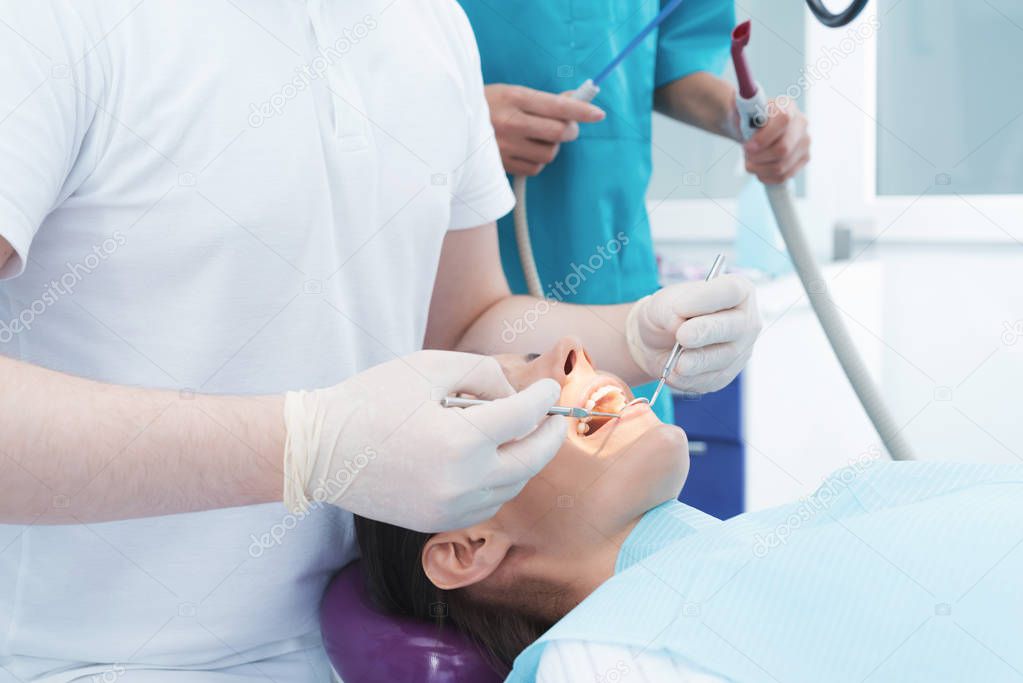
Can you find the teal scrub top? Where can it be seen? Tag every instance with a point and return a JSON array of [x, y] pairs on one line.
[[595, 189], [587, 213]]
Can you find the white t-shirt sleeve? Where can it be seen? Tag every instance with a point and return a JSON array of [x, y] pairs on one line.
[[572, 661], [481, 193], [47, 104]]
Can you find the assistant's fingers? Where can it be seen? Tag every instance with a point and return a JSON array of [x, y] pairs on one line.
[[532, 151], [777, 172], [571, 132], [561, 107], [772, 131], [517, 166], [797, 163], [543, 128], [793, 141]]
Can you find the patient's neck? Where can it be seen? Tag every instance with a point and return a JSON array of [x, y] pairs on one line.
[[582, 568]]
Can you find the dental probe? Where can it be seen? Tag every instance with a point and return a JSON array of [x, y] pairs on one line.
[[577, 413], [676, 351]]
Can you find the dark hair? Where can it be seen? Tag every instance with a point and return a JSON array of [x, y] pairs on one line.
[[500, 622]]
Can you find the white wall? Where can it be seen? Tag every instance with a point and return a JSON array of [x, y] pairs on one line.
[[947, 312], [801, 418], [938, 328]]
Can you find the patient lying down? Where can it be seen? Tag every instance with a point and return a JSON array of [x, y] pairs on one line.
[[896, 571]]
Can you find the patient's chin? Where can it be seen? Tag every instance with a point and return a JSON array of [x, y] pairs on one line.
[[664, 450], [672, 442]]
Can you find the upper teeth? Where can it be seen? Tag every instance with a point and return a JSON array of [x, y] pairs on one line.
[[600, 393]]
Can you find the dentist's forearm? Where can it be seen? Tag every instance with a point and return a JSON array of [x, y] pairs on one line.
[[701, 100], [73, 450], [522, 324]]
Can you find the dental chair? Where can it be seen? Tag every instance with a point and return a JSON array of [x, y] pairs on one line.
[[366, 646]]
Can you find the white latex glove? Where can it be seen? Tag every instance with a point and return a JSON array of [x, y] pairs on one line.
[[716, 322], [380, 445]]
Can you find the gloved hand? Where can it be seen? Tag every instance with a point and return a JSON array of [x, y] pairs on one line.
[[380, 445], [716, 322]]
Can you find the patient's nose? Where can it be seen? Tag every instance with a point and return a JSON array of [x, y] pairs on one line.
[[567, 359]]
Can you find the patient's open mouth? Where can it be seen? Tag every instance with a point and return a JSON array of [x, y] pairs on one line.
[[604, 398]]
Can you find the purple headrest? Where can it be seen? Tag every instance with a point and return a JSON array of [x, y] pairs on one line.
[[365, 645]]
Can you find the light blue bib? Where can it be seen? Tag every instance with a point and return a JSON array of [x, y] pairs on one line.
[[889, 572]]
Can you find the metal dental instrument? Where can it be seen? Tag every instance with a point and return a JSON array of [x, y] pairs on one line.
[[577, 413], [676, 351]]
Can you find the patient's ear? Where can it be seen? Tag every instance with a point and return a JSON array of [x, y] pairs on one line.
[[455, 559]]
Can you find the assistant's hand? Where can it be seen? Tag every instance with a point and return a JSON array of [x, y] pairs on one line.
[[779, 150], [716, 322], [531, 125], [380, 445]]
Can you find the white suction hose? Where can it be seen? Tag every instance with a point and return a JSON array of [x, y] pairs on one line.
[[585, 92], [533, 284], [753, 115]]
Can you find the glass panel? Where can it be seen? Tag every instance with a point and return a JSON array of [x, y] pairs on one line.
[[950, 97], [690, 164]]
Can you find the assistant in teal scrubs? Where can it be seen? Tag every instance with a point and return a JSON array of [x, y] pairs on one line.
[[590, 201]]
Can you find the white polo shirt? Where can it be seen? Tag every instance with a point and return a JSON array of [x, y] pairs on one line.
[[230, 196]]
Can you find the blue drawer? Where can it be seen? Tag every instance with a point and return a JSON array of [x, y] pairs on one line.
[[716, 482], [717, 473], [712, 416]]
